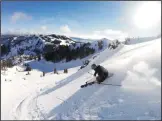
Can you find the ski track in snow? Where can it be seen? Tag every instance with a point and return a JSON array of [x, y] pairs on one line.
[[29, 106], [66, 101]]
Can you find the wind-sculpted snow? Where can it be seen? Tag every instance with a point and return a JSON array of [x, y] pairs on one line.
[[136, 67]]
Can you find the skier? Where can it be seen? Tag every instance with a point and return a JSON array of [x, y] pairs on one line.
[[101, 71]]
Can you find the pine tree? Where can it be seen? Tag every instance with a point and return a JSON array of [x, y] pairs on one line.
[[55, 71], [43, 73], [39, 57], [65, 71]]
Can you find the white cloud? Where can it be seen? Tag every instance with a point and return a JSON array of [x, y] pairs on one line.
[[47, 20], [17, 31], [112, 34], [107, 33], [20, 16], [44, 28], [97, 32], [65, 28]]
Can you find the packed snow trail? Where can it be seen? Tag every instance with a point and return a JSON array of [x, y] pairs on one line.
[[137, 68]]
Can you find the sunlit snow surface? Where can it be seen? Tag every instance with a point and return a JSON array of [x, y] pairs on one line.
[[137, 67]]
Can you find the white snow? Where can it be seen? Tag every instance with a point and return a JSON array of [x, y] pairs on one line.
[[141, 39], [137, 67]]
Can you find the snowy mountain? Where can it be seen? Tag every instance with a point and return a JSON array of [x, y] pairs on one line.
[[140, 39], [21, 46], [81, 39], [29, 44], [136, 67]]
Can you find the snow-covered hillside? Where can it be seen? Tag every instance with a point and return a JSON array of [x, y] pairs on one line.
[[81, 39], [32, 44], [141, 39], [27, 47], [137, 67]]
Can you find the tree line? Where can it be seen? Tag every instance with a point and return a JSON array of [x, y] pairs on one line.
[[65, 52]]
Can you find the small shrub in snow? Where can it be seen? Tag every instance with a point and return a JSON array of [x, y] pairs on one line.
[[65, 71], [28, 73], [55, 71], [43, 73], [28, 68]]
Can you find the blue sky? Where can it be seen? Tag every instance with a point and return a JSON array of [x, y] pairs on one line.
[[82, 19]]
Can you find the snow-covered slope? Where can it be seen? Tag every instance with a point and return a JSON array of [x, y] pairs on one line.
[[34, 45], [82, 39], [141, 39], [137, 67]]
